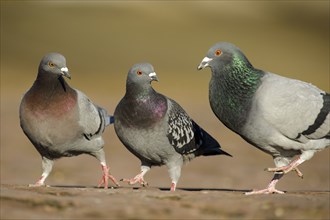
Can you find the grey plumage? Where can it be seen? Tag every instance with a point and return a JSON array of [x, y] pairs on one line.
[[156, 129], [282, 117], [61, 121]]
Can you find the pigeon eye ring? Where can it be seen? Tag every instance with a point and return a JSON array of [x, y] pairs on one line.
[[50, 64], [218, 52]]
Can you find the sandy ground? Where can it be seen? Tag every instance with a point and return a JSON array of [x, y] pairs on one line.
[[154, 203], [101, 41]]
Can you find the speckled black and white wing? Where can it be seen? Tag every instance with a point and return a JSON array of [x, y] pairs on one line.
[[180, 129]]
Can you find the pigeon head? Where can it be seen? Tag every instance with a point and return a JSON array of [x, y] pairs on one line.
[[54, 63], [223, 55], [141, 74]]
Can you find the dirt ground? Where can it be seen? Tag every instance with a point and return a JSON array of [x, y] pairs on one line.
[[101, 41], [153, 203]]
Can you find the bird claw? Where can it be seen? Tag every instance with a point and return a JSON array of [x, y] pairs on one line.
[[264, 191], [40, 182], [269, 190], [104, 181], [299, 173], [278, 170], [135, 180], [37, 184], [285, 170], [106, 176]]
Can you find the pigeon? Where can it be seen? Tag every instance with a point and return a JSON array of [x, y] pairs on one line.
[[156, 129], [61, 121], [286, 118]]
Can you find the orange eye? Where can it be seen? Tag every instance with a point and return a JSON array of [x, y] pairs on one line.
[[51, 64], [139, 72], [218, 52]]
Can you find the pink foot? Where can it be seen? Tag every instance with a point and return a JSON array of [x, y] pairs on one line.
[[286, 169], [36, 184], [106, 176], [264, 191], [39, 183], [269, 190], [137, 179], [299, 173]]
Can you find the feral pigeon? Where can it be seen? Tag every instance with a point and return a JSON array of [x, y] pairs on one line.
[[286, 118], [61, 121], [156, 129]]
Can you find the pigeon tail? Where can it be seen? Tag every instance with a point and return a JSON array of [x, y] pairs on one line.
[[211, 147], [109, 120], [208, 145], [215, 151]]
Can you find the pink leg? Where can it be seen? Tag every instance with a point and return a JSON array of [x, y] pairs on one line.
[[47, 166], [40, 182], [138, 178], [270, 189], [173, 187], [299, 173], [106, 176], [292, 166]]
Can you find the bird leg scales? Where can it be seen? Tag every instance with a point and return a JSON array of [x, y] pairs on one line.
[[173, 187], [106, 176], [270, 188], [286, 169], [137, 179], [47, 166], [40, 182]]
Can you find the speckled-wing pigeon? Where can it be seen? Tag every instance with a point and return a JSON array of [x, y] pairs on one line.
[[61, 121], [156, 129], [282, 117]]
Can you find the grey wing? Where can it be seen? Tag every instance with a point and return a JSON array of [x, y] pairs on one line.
[[180, 129], [92, 118], [297, 109]]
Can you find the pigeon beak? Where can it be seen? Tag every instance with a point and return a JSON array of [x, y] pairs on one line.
[[153, 76], [65, 72], [205, 63]]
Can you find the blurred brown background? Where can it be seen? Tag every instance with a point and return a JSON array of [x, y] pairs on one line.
[[103, 39]]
